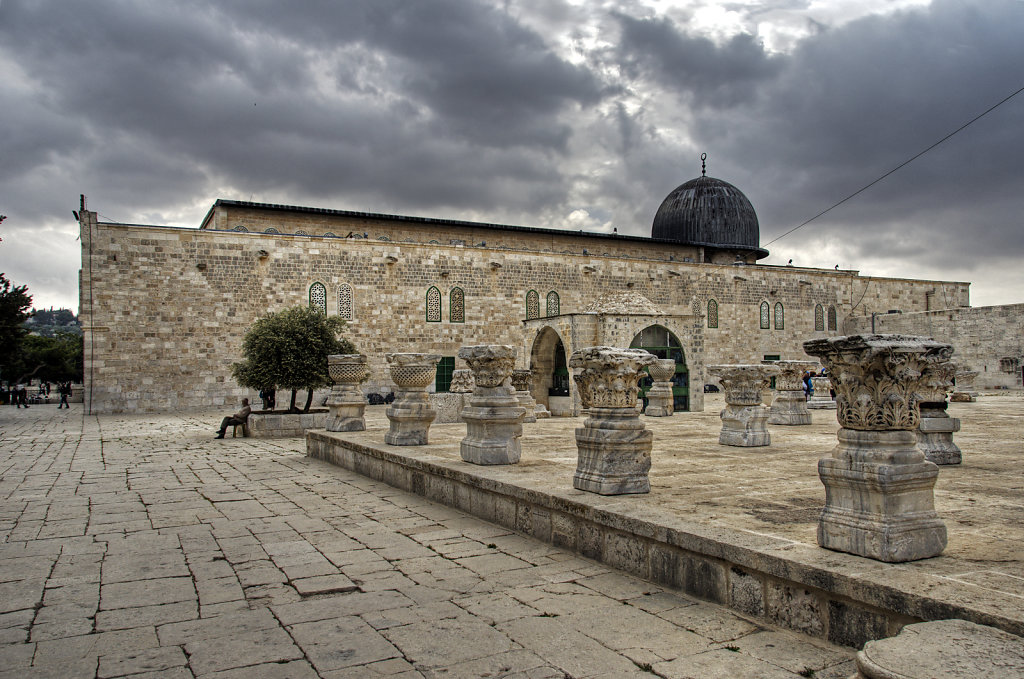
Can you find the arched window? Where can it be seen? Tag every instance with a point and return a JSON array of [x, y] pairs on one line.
[[552, 304], [832, 325], [345, 301], [240, 229], [766, 321], [457, 306], [271, 230], [532, 305], [318, 297], [780, 316], [712, 313], [433, 305], [819, 317]]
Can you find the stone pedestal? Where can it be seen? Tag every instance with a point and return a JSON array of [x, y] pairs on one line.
[[411, 413], [660, 402], [540, 411], [346, 403], [790, 405], [613, 447], [964, 391], [879, 489], [822, 396], [744, 418], [521, 383], [494, 418], [954, 649], [935, 432]]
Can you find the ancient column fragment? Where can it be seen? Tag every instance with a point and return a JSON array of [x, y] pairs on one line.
[[879, 488], [346, 402], [659, 396], [462, 381], [494, 418], [964, 391], [613, 447], [744, 418], [935, 433], [521, 384], [821, 399], [411, 412], [789, 405]]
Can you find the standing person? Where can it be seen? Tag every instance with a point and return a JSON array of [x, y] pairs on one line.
[[20, 395], [241, 417], [65, 392]]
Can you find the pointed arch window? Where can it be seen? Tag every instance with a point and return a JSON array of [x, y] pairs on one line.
[[712, 313], [780, 317], [345, 301], [532, 305], [318, 297], [457, 306], [766, 321], [552, 304], [433, 305], [832, 325], [819, 317]]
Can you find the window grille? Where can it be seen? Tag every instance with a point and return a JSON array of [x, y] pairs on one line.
[[780, 317], [532, 305], [433, 305], [832, 325], [345, 301], [552, 304], [318, 297], [457, 306], [712, 313], [765, 316], [819, 317]]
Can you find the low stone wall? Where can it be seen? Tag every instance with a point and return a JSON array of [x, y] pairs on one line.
[[283, 425], [448, 406], [780, 586]]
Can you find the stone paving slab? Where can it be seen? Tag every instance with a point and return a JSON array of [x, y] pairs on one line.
[[751, 511], [192, 557]]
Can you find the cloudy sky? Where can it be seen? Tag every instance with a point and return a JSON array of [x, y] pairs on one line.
[[553, 113]]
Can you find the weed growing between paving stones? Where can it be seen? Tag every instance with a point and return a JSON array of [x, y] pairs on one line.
[[645, 667], [806, 672]]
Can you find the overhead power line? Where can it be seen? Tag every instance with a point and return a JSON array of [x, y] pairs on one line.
[[901, 165]]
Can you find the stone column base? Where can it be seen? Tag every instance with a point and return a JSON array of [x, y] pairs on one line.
[[346, 416], [879, 498], [963, 397], [494, 423], [660, 400], [410, 417], [744, 426], [541, 412], [815, 403], [789, 407], [935, 439], [526, 401], [614, 453]]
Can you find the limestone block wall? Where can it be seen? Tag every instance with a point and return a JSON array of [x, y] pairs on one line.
[[988, 339], [164, 309]]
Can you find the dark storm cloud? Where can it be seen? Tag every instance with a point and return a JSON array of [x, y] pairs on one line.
[[853, 103], [716, 75]]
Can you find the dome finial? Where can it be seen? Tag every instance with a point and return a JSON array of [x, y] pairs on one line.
[[703, 165]]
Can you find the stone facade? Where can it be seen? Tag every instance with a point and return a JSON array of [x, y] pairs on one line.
[[164, 309], [988, 339]]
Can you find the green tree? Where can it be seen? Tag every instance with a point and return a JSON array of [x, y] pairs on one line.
[[14, 311], [289, 350], [53, 359]]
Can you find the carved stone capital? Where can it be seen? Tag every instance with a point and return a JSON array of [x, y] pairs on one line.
[[791, 374], [877, 378], [607, 377], [491, 364], [462, 381], [743, 384], [521, 379], [662, 370], [412, 371], [936, 383]]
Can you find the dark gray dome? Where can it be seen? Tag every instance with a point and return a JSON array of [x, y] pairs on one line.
[[709, 212]]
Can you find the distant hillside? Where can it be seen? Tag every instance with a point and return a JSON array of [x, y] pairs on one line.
[[48, 322]]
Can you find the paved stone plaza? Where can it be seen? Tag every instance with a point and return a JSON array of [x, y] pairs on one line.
[[139, 546]]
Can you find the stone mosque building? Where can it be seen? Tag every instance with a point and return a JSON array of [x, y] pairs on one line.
[[164, 309]]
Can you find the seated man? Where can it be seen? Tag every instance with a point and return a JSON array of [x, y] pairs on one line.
[[241, 417]]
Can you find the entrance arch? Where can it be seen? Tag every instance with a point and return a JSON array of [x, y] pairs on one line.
[[550, 368], [661, 342]]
